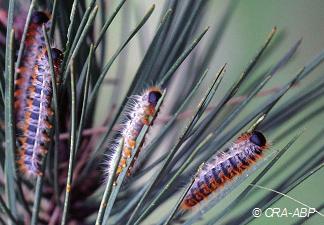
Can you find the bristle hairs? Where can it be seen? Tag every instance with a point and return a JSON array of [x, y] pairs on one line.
[[33, 43], [35, 126], [138, 113], [225, 166]]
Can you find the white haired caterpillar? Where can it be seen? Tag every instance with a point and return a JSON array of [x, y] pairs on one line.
[[225, 166], [139, 113], [35, 125], [33, 44]]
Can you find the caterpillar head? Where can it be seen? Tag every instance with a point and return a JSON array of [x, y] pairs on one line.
[[57, 57], [258, 138], [153, 95], [39, 17]]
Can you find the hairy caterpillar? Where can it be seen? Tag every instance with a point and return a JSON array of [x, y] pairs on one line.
[[33, 44], [34, 129], [225, 166], [139, 113]]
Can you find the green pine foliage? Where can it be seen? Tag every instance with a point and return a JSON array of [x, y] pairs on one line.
[[202, 110]]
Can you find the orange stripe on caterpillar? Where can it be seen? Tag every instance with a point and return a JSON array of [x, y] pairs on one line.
[[34, 130], [225, 166], [33, 43], [138, 114]]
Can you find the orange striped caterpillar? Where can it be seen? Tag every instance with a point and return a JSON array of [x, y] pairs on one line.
[[139, 113], [34, 126], [33, 43], [225, 166]]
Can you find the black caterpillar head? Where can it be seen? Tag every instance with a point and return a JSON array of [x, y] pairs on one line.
[[154, 96], [39, 17], [258, 138], [57, 55]]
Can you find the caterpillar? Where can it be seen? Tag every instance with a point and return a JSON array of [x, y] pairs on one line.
[[138, 115], [33, 43], [33, 136], [225, 166]]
